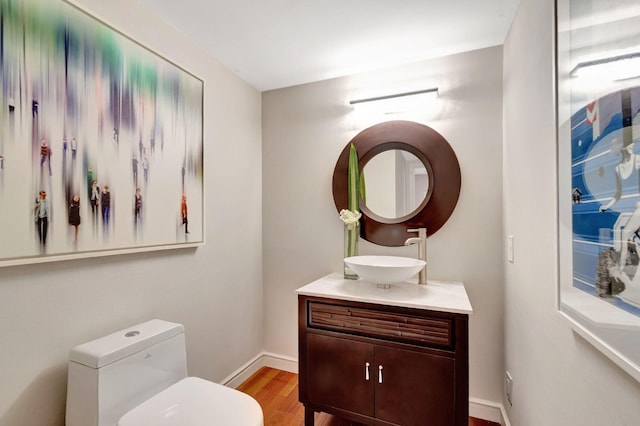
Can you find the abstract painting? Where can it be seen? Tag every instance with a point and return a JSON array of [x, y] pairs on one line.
[[598, 79], [606, 198], [101, 140]]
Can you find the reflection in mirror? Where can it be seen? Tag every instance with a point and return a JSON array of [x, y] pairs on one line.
[[396, 183]]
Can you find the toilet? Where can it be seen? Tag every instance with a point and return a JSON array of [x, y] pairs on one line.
[[138, 377]]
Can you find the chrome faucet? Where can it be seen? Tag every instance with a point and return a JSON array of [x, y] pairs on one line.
[[421, 240]]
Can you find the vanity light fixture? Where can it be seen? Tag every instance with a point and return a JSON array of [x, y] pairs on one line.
[[615, 68], [397, 103]]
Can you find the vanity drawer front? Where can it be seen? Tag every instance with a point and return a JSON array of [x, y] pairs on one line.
[[400, 327]]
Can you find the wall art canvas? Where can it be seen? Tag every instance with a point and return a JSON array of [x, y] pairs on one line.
[[101, 139], [599, 174]]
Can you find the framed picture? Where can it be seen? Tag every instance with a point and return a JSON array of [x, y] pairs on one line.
[[101, 140], [598, 82]]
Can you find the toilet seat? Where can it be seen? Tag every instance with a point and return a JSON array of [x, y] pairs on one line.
[[195, 402]]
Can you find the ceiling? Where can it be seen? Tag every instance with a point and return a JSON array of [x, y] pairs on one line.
[[280, 43]]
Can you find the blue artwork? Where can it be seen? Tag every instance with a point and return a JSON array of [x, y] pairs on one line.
[[605, 173]]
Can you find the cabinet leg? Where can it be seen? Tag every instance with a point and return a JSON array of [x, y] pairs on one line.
[[308, 416]]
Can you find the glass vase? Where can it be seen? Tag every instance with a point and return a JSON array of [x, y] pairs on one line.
[[351, 241]]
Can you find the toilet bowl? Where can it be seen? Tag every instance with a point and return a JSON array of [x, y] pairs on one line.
[[138, 377], [177, 405]]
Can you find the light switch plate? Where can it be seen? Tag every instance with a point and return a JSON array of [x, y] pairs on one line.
[[510, 248]]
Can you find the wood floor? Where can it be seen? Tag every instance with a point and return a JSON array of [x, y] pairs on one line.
[[277, 393]]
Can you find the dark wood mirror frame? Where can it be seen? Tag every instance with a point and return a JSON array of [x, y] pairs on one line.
[[442, 167]]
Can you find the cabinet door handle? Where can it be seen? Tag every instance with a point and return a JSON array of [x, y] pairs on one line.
[[366, 371], [379, 374]]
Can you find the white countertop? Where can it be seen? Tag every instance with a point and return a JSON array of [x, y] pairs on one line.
[[443, 296]]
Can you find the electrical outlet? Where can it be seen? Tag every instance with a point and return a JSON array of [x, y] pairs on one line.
[[508, 386]]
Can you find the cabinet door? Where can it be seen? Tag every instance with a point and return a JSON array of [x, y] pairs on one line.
[[415, 389], [337, 373]]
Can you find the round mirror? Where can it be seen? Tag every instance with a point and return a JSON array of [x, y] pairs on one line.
[[396, 183], [442, 184]]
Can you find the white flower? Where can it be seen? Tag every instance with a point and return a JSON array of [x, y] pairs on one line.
[[350, 218]]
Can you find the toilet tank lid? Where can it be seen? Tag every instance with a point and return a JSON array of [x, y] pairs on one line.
[[108, 349]]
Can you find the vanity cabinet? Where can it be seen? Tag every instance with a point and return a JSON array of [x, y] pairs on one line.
[[382, 365]]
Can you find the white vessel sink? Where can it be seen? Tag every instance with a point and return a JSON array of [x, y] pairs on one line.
[[384, 269]]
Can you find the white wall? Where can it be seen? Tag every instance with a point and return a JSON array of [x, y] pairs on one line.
[[559, 379], [304, 130], [214, 290]]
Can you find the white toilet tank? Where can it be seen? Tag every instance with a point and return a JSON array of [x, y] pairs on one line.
[[111, 375]]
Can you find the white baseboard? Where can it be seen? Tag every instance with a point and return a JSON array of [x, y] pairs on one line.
[[479, 408], [263, 359], [280, 362], [488, 410]]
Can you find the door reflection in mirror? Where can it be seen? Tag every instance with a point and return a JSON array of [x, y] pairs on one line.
[[397, 183]]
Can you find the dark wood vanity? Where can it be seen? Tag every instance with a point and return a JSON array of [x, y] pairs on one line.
[[396, 355], [379, 364]]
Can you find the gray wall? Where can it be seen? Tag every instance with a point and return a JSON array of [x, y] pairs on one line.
[[304, 129], [559, 379], [215, 290]]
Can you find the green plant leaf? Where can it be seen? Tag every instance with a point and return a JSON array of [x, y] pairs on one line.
[[362, 188], [354, 180]]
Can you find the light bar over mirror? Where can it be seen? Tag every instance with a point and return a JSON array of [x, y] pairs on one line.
[[396, 103]]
